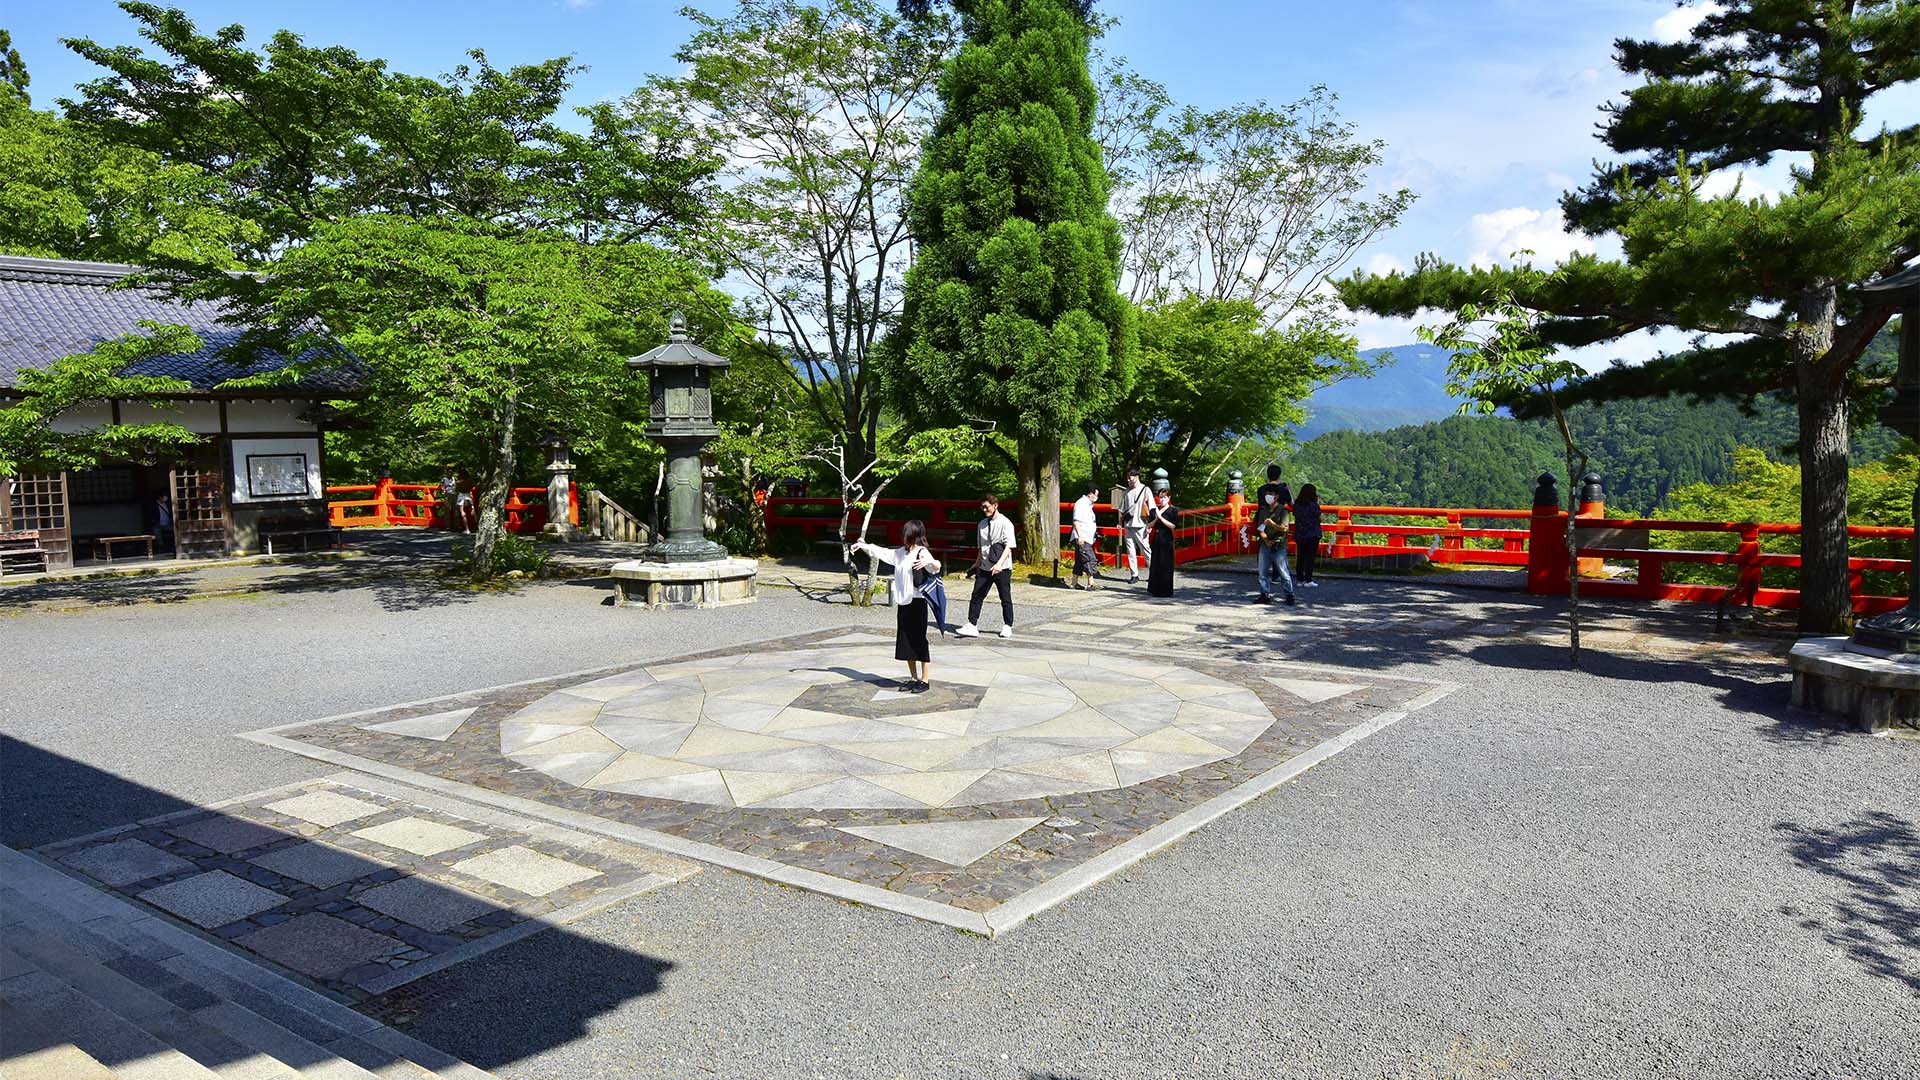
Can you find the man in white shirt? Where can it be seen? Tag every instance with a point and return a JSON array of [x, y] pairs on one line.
[[1086, 565], [992, 569], [1133, 523]]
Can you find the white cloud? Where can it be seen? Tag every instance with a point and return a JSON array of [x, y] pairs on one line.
[[1677, 25], [1497, 235], [1380, 264]]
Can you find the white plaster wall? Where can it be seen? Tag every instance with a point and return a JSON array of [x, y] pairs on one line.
[[243, 447], [200, 417], [83, 418], [266, 416]]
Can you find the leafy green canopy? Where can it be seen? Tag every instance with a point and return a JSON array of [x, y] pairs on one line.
[[300, 134], [31, 441], [1012, 311], [1212, 370]]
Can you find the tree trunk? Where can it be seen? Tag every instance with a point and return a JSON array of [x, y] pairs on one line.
[[1573, 562], [1040, 499], [1824, 599], [1825, 603], [493, 495]]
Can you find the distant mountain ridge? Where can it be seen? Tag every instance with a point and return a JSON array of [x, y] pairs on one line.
[[1410, 387]]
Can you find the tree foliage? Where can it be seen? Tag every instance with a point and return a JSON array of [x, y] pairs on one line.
[[1012, 313], [31, 438], [1757, 78], [820, 110], [1210, 370]]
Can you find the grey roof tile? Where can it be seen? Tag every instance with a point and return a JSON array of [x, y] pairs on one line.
[[50, 308]]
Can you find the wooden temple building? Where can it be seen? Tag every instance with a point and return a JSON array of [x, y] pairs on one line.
[[257, 476]]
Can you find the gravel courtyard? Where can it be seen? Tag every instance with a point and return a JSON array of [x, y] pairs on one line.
[[1646, 868]]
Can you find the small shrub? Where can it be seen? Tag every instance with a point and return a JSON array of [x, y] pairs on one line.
[[510, 553]]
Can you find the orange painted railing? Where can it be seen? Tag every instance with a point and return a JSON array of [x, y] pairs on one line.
[[1455, 536], [387, 504]]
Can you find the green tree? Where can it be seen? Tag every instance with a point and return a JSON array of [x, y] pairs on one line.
[[13, 74], [1757, 79], [32, 440], [821, 110], [474, 334], [1212, 369], [67, 193], [1497, 355], [1013, 315]]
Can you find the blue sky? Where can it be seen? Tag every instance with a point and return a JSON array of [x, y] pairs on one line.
[[1487, 106]]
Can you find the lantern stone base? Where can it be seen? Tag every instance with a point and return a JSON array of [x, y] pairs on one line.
[[716, 583], [1875, 689]]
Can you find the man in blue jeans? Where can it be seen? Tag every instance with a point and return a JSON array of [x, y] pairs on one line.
[[1270, 533]]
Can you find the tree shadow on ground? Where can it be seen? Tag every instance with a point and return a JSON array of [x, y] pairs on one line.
[[537, 994], [1876, 859]]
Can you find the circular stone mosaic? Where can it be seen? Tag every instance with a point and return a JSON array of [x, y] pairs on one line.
[[821, 728]]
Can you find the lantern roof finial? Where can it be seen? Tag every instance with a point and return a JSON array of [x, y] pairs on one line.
[[679, 351]]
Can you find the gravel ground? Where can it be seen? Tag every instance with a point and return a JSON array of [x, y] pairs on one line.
[[1644, 869]]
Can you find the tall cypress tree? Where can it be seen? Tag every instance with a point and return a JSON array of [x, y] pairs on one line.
[[1757, 78], [1012, 310]]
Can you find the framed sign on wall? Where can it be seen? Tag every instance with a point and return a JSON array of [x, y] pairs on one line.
[[276, 470]]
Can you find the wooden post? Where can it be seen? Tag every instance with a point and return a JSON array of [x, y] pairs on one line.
[[1593, 504], [382, 498], [1547, 541], [1747, 558]]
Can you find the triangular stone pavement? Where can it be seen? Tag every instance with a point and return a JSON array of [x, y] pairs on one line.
[[1314, 691], [956, 843], [438, 726]]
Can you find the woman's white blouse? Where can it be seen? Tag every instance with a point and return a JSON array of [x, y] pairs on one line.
[[903, 562]]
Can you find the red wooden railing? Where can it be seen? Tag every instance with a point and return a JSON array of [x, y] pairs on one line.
[[1455, 536], [387, 504]]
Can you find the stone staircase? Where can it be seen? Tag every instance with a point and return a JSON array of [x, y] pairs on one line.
[[93, 987]]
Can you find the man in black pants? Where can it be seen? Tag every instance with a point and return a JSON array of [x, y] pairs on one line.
[[993, 568]]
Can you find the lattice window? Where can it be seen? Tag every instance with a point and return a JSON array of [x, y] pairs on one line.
[[39, 501], [199, 511]]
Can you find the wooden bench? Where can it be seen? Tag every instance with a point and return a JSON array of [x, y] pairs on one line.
[[21, 553], [303, 530], [103, 545]]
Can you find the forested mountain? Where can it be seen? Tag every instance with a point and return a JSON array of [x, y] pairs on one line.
[[1409, 388], [1644, 449]]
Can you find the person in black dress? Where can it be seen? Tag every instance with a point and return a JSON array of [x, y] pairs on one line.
[[1162, 519], [912, 564]]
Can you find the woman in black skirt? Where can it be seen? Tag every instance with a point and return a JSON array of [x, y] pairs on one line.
[[1162, 519], [912, 564]]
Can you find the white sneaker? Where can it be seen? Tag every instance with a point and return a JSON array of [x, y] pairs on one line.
[[967, 630], [1005, 631]]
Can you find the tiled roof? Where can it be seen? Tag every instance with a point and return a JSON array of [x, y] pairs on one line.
[[50, 308]]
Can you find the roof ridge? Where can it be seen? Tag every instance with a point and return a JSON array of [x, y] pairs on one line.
[[71, 271]]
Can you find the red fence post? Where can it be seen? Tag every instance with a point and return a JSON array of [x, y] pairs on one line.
[[1547, 565], [1747, 558], [382, 497], [1593, 504]]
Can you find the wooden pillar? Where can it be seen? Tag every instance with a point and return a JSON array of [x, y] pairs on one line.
[[1547, 541]]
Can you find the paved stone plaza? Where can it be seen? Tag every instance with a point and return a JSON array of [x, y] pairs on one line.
[[1650, 867], [1025, 762]]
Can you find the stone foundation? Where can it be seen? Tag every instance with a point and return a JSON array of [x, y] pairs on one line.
[[1876, 690], [718, 583]]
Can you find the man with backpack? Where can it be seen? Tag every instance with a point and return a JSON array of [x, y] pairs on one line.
[[1270, 532]]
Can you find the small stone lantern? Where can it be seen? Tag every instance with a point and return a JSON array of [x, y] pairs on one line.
[[559, 487], [683, 568]]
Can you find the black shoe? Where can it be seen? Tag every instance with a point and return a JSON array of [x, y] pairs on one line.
[[919, 688], [1263, 598], [1290, 600]]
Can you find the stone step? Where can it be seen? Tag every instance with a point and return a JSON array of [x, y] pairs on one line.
[[156, 1009], [97, 1031], [28, 1051], [94, 986]]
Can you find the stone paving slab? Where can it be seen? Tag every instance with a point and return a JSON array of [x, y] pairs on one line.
[[1075, 783], [391, 891]]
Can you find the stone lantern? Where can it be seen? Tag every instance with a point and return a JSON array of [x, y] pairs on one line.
[[683, 568], [559, 487]]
